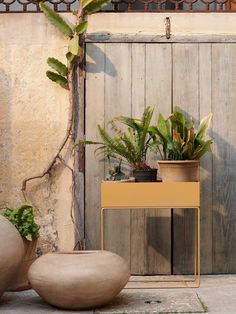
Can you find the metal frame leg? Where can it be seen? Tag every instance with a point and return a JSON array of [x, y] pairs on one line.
[[102, 228], [197, 263], [199, 246]]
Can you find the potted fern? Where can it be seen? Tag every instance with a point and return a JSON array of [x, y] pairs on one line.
[[23, 219], [129, 144], [181, 146]]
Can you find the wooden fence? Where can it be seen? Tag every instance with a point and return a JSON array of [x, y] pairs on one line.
[[199, 77]]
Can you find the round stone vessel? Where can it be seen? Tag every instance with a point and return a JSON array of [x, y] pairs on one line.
[[11, 252], [79, 279]]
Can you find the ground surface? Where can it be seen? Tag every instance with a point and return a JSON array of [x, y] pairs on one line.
[[217, 295]]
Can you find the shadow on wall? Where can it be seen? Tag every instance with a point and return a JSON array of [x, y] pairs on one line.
[[218, 202], [6, 140], [218, 198], [97, 66]]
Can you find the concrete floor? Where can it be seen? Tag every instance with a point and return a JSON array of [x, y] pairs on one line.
[[217, 295]]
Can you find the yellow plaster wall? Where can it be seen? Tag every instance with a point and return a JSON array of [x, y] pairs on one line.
[[140, 23], [33, 120]]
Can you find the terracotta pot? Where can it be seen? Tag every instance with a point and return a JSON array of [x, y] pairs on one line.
[[79, 280], [11, 252], [179, 170], [20, 281]]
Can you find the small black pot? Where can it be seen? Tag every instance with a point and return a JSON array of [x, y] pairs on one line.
[[149, 175]]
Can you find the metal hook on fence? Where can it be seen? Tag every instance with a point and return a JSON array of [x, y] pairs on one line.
[[168, 27]]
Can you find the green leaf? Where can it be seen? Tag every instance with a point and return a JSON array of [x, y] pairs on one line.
[[84, 3], [74, 45], [96, 5], [202, 149], [130, 144], [90, 142], [163, 126], [203, 127], [130, 122], [58, 66], [23, 219], [180, 117], [56, 20], [29, 237], [81, 28], [179, 122], [70, 56], [57, 78], [191, 123]]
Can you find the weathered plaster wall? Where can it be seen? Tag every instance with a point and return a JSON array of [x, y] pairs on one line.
[[33, 120], [186, 24]]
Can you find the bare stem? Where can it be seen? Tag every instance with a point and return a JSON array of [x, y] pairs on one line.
[[48, 169], [68, 134]]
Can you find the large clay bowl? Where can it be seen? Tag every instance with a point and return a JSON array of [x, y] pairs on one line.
[[20, 281], [11, 252], [79, 280]]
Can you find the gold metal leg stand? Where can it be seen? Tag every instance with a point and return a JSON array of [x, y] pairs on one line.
[[184, 281], [102, 228]]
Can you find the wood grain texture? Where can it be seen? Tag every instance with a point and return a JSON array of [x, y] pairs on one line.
[[138, 217], [158, 94], [205, 107], [94, 168], [79, 157], [224, 175], [155, 38], [123, 79], [117, 102], [186, 98]]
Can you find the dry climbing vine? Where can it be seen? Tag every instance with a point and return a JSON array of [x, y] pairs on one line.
[[64, 76]]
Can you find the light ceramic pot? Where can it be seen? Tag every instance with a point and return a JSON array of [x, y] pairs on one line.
[[11, 252], [179, 170], [20, 281], [79, 279]]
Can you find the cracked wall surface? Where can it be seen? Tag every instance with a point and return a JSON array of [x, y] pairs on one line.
[[33, 121]]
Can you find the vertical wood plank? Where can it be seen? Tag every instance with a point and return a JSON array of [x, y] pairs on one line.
[[224, 175], [205, 107], [79, 157], [186, 97], [125, 93], [117, 102], [138, 222], [94, 168], [158, 94]]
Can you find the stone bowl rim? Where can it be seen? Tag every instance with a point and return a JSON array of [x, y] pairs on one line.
[[78, 252]]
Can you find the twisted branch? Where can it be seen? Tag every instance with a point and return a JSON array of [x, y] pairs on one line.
[[80, 242], [68, 134]]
